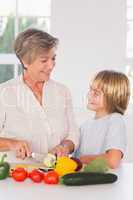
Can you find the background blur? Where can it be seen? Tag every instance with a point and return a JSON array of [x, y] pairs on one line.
[[93, 34]]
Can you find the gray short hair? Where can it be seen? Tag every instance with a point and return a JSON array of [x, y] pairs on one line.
[[32, 42]]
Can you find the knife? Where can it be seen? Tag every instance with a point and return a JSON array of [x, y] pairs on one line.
[[38, 156]]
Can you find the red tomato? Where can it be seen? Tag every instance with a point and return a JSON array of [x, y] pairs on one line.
[[19, 174], [36, 176], [51, 177]]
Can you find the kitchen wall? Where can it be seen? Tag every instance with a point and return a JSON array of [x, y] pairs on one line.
[[92, 37]]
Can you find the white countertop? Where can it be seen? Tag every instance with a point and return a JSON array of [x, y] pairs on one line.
[[120, 190]]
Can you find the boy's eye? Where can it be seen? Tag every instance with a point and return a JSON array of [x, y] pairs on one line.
[[95, 91]]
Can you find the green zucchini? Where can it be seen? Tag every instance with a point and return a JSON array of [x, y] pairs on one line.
[[87, 178]]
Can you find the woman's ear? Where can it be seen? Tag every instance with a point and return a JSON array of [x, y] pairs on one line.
[[25, 68], [24, 64]]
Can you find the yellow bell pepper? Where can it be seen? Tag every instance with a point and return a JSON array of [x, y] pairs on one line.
[[65, 165]]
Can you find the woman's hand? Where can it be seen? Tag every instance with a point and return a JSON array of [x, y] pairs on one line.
[[21, 147]]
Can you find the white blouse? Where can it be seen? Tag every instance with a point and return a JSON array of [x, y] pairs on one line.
[[44, 127]]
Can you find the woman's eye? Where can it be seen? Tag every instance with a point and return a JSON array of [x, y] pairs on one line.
[[44, 61]]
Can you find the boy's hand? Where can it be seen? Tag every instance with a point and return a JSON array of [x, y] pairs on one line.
[[60, 150], [85, 159], [64, 149]]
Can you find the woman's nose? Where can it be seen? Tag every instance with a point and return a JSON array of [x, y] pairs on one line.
[[50, 64]]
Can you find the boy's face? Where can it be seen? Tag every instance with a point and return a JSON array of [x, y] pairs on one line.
[[96, 99]]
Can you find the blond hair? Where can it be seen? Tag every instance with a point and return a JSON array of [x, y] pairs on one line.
[[116, 90], [32, 42]]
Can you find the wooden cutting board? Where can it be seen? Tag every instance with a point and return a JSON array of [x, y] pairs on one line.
[[28, 167]]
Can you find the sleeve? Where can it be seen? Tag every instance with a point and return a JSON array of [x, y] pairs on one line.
[[116, 135], [73, 131]]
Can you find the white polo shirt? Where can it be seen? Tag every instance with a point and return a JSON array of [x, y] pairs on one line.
[[103, 134], [44, 127]]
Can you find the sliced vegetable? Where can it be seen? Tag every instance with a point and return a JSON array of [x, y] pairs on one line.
[[51, 177], [49, 160], [36, 176], [4, 168], [84, 178], [26, 166], [19, 174], [98, 165], [46, 169]]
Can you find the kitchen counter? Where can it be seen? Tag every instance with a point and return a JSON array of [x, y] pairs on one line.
[[120, 190]]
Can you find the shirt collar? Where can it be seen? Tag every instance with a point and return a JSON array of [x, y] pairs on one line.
[[22, 80]]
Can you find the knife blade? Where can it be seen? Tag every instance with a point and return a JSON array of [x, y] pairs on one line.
[[38, 156]]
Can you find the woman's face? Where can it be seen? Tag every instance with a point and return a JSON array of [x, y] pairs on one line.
[[40, 69]]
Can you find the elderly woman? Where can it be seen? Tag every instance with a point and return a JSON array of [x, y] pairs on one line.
[[36, 112]]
